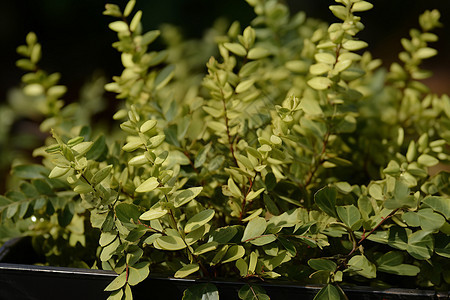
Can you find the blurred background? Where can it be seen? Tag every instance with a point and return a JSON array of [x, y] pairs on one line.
[[76, 40]]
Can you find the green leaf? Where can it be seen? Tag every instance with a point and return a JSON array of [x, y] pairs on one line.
[[362, 6], [362, 266], [136, 20], [204, 291], [252, 292], [320, 264], [117, 283], [58, 172], [98, 150], [100, 175], [429, 220], [319, 83], [427, 160], [353, 45], [210, 246], [127, 213], [184, 196], [155, 212], [224, 234], [319, 69], [149, 37], [129, 8], [202, 155], [398, 238], [242, 267], [339, 11], [164, 77], [82, 148], [234, 252], [442, 245], [43, 187], [118, 26], [325, 199], [349, 214], [132, 145], [116, 295], [325, 58], [171, 243], [411, 218], [425, 52], [392, 262], [199, 220], [187, 270], [106, 238], [401, 197], [328, 292], [236, 48], [148, 185], [263, 240], [420, 244], [244, 85], [311, 106], [258, 53], [148, 125], [30, 171], [439, 204], [254, 228], [138, 273]]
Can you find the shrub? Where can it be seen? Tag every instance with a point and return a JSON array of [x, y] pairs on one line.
[[295, 156]]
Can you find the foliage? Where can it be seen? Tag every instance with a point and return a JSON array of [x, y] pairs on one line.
[[295, 156]]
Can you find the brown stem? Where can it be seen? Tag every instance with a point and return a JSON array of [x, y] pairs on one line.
[[230, 140], [172, 217], [372, 231], [190, 162], [316, 166], [244, 201]]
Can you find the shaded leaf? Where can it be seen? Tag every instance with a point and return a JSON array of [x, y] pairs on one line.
[[127, 213], [252, 292], [234, 252], [187, 270], [138, 273], [117, 283], [361, 265], [254, 228], [171, 243], [184, 196], [350, 215], [420, 244], [204, 291], [328, 292], [148, 185], [439, 204], [199, 220], [322, 264], [325, 199]]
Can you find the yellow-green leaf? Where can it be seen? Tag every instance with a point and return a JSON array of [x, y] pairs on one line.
[[155, 212], [319, 83], [187, 270], [199, 220], [184, 196], [234, 253], [258, 53], [148, 185], [171, 243], [236, 48], [117, 283]]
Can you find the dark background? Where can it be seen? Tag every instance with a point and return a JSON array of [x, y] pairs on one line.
[[76, 40]]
